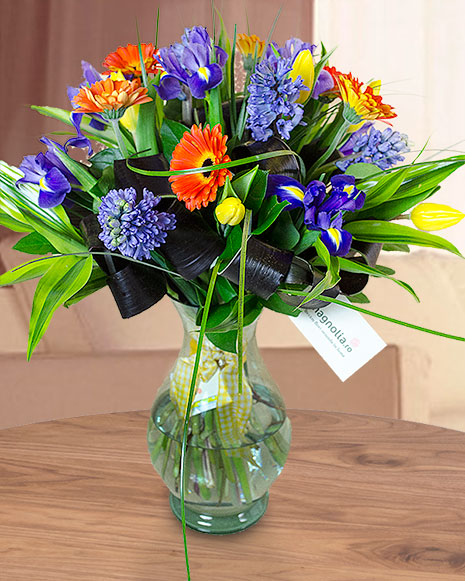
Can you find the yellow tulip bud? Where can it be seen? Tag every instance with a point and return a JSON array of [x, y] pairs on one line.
[[231, 211], [130, 118], [435, 216], [303, 67]]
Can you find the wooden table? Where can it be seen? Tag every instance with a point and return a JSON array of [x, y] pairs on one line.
[[360, 499]]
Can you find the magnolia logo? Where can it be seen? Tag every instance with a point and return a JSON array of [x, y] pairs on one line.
[[338, 333]]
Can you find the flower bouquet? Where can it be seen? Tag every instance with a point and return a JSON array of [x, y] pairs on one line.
[[278, 193]]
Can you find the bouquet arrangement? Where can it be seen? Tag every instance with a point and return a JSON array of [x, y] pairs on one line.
[[230, 199]]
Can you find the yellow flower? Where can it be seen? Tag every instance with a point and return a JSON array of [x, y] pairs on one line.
[[130, 118], [435, 216], [231, 211], [303, 67], [246, 44]]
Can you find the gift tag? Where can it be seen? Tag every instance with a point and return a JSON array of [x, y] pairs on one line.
[[341, 336], [206, 397]]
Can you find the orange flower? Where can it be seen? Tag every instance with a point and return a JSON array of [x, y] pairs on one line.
[[246, 44], [364, 100], [199, 148], [110, 97], [127, 60]]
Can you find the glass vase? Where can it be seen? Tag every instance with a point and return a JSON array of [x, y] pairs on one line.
[[238, 439]]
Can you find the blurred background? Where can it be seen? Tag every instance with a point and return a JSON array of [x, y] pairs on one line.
[[91, 361]]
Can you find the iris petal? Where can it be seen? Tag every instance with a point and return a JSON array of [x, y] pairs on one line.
[[286, 189]]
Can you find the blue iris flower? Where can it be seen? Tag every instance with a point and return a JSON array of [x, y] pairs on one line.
[[47, 171], [323, 211], [91, 76], [190, 63]]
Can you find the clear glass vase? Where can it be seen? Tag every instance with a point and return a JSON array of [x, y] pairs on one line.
[[238, 440]]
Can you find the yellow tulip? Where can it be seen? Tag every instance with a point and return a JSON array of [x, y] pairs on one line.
[[231, 211], [130, 118], [303, 67], [430, 217]]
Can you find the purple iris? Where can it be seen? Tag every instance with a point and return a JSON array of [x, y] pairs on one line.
[[48, 171], [290, 50], [190, 63], [322, 211], [91, 76], [323, 84]]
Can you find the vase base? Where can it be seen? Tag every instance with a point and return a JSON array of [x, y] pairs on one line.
[[215, 524]]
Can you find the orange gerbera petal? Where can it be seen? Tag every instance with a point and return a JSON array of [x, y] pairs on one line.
[[108, 95], [127, 60], [199, 148]]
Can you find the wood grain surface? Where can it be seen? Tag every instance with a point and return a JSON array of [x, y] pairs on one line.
[[360, 499]]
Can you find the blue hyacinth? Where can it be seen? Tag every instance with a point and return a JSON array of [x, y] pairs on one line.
[[369, 145], [133, 229], [272, 99]]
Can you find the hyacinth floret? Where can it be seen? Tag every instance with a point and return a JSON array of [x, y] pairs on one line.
[[134, 229], [272, 99], [369, 145]]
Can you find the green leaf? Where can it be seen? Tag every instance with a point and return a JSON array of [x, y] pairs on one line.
[[250, 187], [106, 157], [308, 238], [63, 280], [171, 134], [225, 289], [27, 271], [284, 234], [384, 189], [225, 341], [362, 170], [275, 303], [376, 271], [374, 231], [392, 209], [396, 248], [269, 212], [97, 281], [233, 245], [79, 170], [359, 298], [106, 136], [34, 243], [145, 136], [13, 224]]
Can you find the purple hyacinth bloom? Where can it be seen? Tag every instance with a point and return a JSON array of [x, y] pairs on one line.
[[369, 145], [133, 228], [48, 171], [190, 63], [272, 99]]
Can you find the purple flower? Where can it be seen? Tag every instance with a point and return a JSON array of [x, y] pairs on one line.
[[272, 99], [91, 76], [323, 211], [48, 171], [323, 84], [369, 145], [133, 229], [190, 63]]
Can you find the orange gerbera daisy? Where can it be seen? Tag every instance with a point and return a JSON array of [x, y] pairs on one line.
[[247, 43], [364, 100], [111, 98], [199, 148], [127, 60]]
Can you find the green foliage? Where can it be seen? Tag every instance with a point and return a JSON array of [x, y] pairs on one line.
[[284, 234], [269, 211], [105, 158], [275, 303], [384, 188], [362, 170], [307, 239], [146, 134], [97, 281], [250, 187], [359, 298], [34, 243], [27, 271], [61, 281], [171, 134], [374, 231], [393, 208]]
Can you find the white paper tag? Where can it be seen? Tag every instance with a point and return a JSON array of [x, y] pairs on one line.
[[206, 397], [341, 336]]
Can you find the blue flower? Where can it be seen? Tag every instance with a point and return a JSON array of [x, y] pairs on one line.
[[190, 63], [323, 211], [91, 76], [48, 171], [133, 228], [272, 99], [369, 145]]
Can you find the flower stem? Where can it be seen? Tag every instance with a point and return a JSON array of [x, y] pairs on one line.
[[240, 300], [119, 137]]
